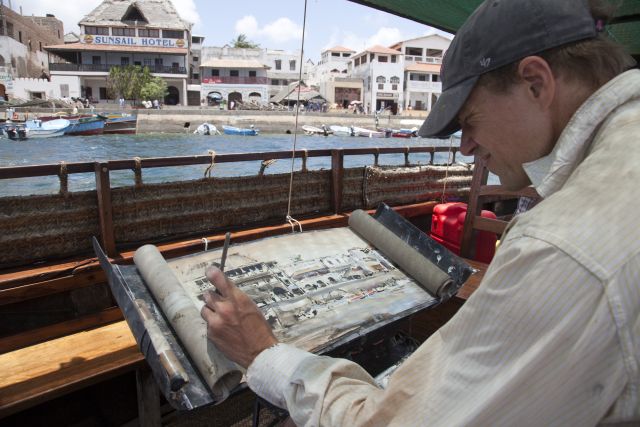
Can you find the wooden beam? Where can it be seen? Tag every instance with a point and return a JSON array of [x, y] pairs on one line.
[[105, 209], [23, 292], [489, 224], [480, 175], [337, 172]]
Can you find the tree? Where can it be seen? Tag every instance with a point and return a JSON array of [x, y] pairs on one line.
[[156, 88], [243, 42], [127, 81]]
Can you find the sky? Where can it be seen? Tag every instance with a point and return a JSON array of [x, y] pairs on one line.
[[271, 24]]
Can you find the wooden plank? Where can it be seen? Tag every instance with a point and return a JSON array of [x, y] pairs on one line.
[[43, 170], [44, 371], [36, 336], [26, 275], [488, 224], [500, 191], [10, 295], [337, 172], [105, 209]]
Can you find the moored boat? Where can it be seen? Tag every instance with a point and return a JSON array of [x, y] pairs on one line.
[[313, 130], [342, 130], [368, 133], [232, 130], [120, 124], [207, 129], [49, 129], [15, 131]]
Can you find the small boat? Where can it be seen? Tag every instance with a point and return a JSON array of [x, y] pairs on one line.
[[403, 133], [368, 133], [120, 124], [49, 129], [207, 129], [85, 125], [232, 130], [312, 130], [342, 130]]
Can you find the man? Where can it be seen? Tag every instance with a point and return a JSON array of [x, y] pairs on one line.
[[551, 337]]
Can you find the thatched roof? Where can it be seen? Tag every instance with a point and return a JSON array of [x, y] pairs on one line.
[[156, 13], [290, 93]]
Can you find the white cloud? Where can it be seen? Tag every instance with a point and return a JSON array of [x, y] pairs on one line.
[[70, 13], [385, 36], [279, 31]]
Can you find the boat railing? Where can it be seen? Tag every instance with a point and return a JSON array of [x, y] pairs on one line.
[[108, 218]]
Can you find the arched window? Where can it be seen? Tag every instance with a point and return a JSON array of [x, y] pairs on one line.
[[335, 70], [395, 80], [381, 79]]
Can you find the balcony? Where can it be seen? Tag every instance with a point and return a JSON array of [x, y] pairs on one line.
[[418, 86], [236, 80], [104, 68], [423, 59]]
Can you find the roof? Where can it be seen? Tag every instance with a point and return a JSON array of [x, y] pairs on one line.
[[420, 66], [71, 38], [158, 13], [443, 37], [113, 48], [450, 15], [339, 49], [233, 63], [290, 93], [380, 49]]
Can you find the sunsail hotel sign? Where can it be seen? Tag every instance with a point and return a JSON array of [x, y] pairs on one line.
[[132, 41]]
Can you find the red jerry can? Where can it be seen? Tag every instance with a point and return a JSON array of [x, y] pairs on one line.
[[447, 222]]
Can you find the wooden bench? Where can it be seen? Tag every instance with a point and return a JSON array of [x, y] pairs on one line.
[[49, 362]]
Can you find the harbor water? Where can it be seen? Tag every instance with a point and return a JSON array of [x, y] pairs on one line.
[[72, 149]]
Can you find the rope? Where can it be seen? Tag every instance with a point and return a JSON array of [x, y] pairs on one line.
[[295, 133], [137, 170], [63, 175], [265, 164], [207, 171], [446, 171], [376, 155], [406, 156], [206, 243]]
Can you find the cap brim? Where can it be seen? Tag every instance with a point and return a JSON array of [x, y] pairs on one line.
[[443, 118]]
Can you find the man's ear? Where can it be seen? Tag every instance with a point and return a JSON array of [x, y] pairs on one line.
[[541, 83]]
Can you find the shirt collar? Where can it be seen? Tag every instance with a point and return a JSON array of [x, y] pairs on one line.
[[548, 174]]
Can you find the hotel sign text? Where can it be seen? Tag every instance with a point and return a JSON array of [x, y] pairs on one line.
[[132, 41]]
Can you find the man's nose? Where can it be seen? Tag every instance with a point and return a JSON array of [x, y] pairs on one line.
[[467, 145]]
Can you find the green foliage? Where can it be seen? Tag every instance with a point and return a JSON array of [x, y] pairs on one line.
[[243, 42], [128, 81], [156, 88]]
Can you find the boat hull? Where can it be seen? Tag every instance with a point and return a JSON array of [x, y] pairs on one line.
[[86, 127], [125, 125], [230, 130]]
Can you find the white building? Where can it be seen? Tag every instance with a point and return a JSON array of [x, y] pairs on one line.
[[284, 68], [382, 70], [127, 32], [422, 62], [331, 76], [229, 81]]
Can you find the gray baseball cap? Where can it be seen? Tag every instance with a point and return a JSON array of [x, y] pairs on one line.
[[499, 33]]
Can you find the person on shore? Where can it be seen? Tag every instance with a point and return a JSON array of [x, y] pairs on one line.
[[552, 334], [156, 104]]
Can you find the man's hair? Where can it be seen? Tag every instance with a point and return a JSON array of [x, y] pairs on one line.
[[593, 62]]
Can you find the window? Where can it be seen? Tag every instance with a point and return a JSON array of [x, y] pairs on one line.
[[345, 55], [97, 31], [157, 62], [129, 32], [196, 76], [393, 58], [363, 59], [275, 82], [20, 36], [234, 73], [372, 56], [435, 77], [148, 62], [383, 58], [394, 87], [195, 59], [175, 65], [97, 60], [381, 86], [335, 54], [394, 80], [88, 92], [172, 34], [137, 63], [102, 93], [356, 61], [278, 64], [64, 90], [124, 60], [215, 72], [40, 43], [252, 73], [10, 29], [381, 79], [434, 52], [413, 51], [146, 32], [1, 27], [292, 65]]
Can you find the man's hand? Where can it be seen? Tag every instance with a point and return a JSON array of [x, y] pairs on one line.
[[235, 324]]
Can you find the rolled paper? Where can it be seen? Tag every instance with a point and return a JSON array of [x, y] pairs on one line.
[[428, 275], [220, 374]]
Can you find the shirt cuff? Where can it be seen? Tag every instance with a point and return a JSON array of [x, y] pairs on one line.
[[270, 373]]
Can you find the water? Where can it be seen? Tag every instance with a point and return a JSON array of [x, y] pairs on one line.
[[111, 147]]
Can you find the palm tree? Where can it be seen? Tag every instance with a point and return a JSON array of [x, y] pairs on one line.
[[243, 42]]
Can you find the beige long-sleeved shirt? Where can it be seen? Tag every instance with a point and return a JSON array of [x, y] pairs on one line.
[[551, 337]]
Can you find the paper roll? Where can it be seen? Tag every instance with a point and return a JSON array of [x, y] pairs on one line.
[[220, 374], [429, 276]]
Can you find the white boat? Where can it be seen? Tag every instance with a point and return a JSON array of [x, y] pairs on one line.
[[312, 130], [368, 133], [207, 129], [342, 130], [48, 129]]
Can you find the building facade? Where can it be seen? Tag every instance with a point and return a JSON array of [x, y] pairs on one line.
[[22, 42], [331, 76], [381, 70], [147, 33]]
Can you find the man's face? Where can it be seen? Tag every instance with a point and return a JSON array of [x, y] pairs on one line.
[[507, 129]]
